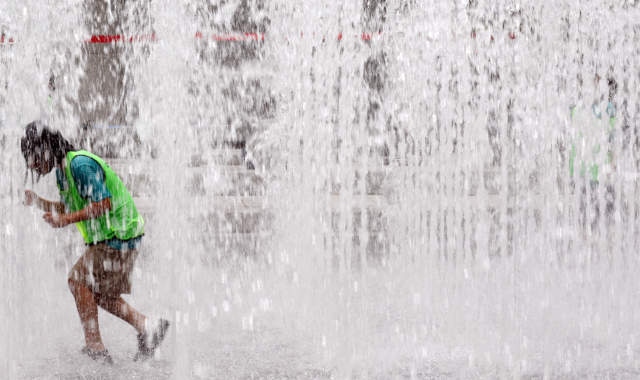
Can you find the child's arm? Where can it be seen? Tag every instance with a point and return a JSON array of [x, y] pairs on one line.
[[92, 211], [90, 183], [31, 198]]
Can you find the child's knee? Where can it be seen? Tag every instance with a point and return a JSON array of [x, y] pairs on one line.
[[74, 286]]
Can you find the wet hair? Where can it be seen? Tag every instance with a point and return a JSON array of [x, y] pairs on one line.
[[48, 145]]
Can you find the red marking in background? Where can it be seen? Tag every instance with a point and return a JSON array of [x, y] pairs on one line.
[[152, 38], [217, 37], [120, 38], [369, 36]]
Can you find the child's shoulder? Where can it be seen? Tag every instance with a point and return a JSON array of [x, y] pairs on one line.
[[81, 162]]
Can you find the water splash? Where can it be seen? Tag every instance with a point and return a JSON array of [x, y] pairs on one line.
[[411, 212]]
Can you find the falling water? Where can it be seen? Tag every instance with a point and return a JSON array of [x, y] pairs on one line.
[[410, 212]]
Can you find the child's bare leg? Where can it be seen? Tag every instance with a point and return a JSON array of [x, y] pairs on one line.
[[88, 311], [121, 309]]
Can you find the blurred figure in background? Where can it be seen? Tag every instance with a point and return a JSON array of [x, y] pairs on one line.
[[593, 126]]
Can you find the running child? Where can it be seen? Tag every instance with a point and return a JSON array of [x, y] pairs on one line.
[[95, 199]]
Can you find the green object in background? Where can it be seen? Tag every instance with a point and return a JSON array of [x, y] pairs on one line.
[[589, 130]]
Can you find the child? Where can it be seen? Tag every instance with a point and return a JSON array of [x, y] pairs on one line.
[[94, 198]]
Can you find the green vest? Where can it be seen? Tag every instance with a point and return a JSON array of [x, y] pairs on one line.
[[122, 221]]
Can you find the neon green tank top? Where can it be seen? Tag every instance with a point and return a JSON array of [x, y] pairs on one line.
[[122, 221]]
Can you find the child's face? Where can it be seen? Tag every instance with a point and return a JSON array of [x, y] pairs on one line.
[[39, 162]]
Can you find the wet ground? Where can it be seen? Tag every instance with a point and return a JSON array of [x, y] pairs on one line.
[[272, 332]]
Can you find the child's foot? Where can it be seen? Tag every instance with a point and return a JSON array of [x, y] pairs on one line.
[[147, 343], [102, 357]]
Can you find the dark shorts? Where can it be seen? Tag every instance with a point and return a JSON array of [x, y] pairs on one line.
[[105, 270]]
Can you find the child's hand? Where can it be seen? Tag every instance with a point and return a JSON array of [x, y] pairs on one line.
[[55, 220], [29, 197]]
